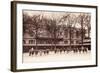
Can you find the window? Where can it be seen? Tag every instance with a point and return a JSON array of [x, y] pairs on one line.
[[66, 42], [24, 41], [72, 35], [31, 41], [66, 33], [77, 34], [72, 42], [77, 42]]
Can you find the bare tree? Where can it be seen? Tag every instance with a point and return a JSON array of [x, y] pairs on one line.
[[84, 21], [70, 22], [31, 25], [27, 21], [53, 27], [87, 23]]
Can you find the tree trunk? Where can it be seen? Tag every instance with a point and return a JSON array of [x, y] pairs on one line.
[[82, 32], [36, 37], [70, 37], [88, 32]]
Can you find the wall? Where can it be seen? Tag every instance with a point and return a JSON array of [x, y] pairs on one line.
[[5, 37]]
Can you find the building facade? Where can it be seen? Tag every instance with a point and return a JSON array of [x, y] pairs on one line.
[[64, 38]]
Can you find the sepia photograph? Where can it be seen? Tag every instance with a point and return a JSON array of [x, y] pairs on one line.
[[46, 36], [56, 36]]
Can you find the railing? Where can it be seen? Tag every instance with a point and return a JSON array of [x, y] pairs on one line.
[[56, 44]]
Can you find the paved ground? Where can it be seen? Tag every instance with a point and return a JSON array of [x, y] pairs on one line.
[[52, 57]]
